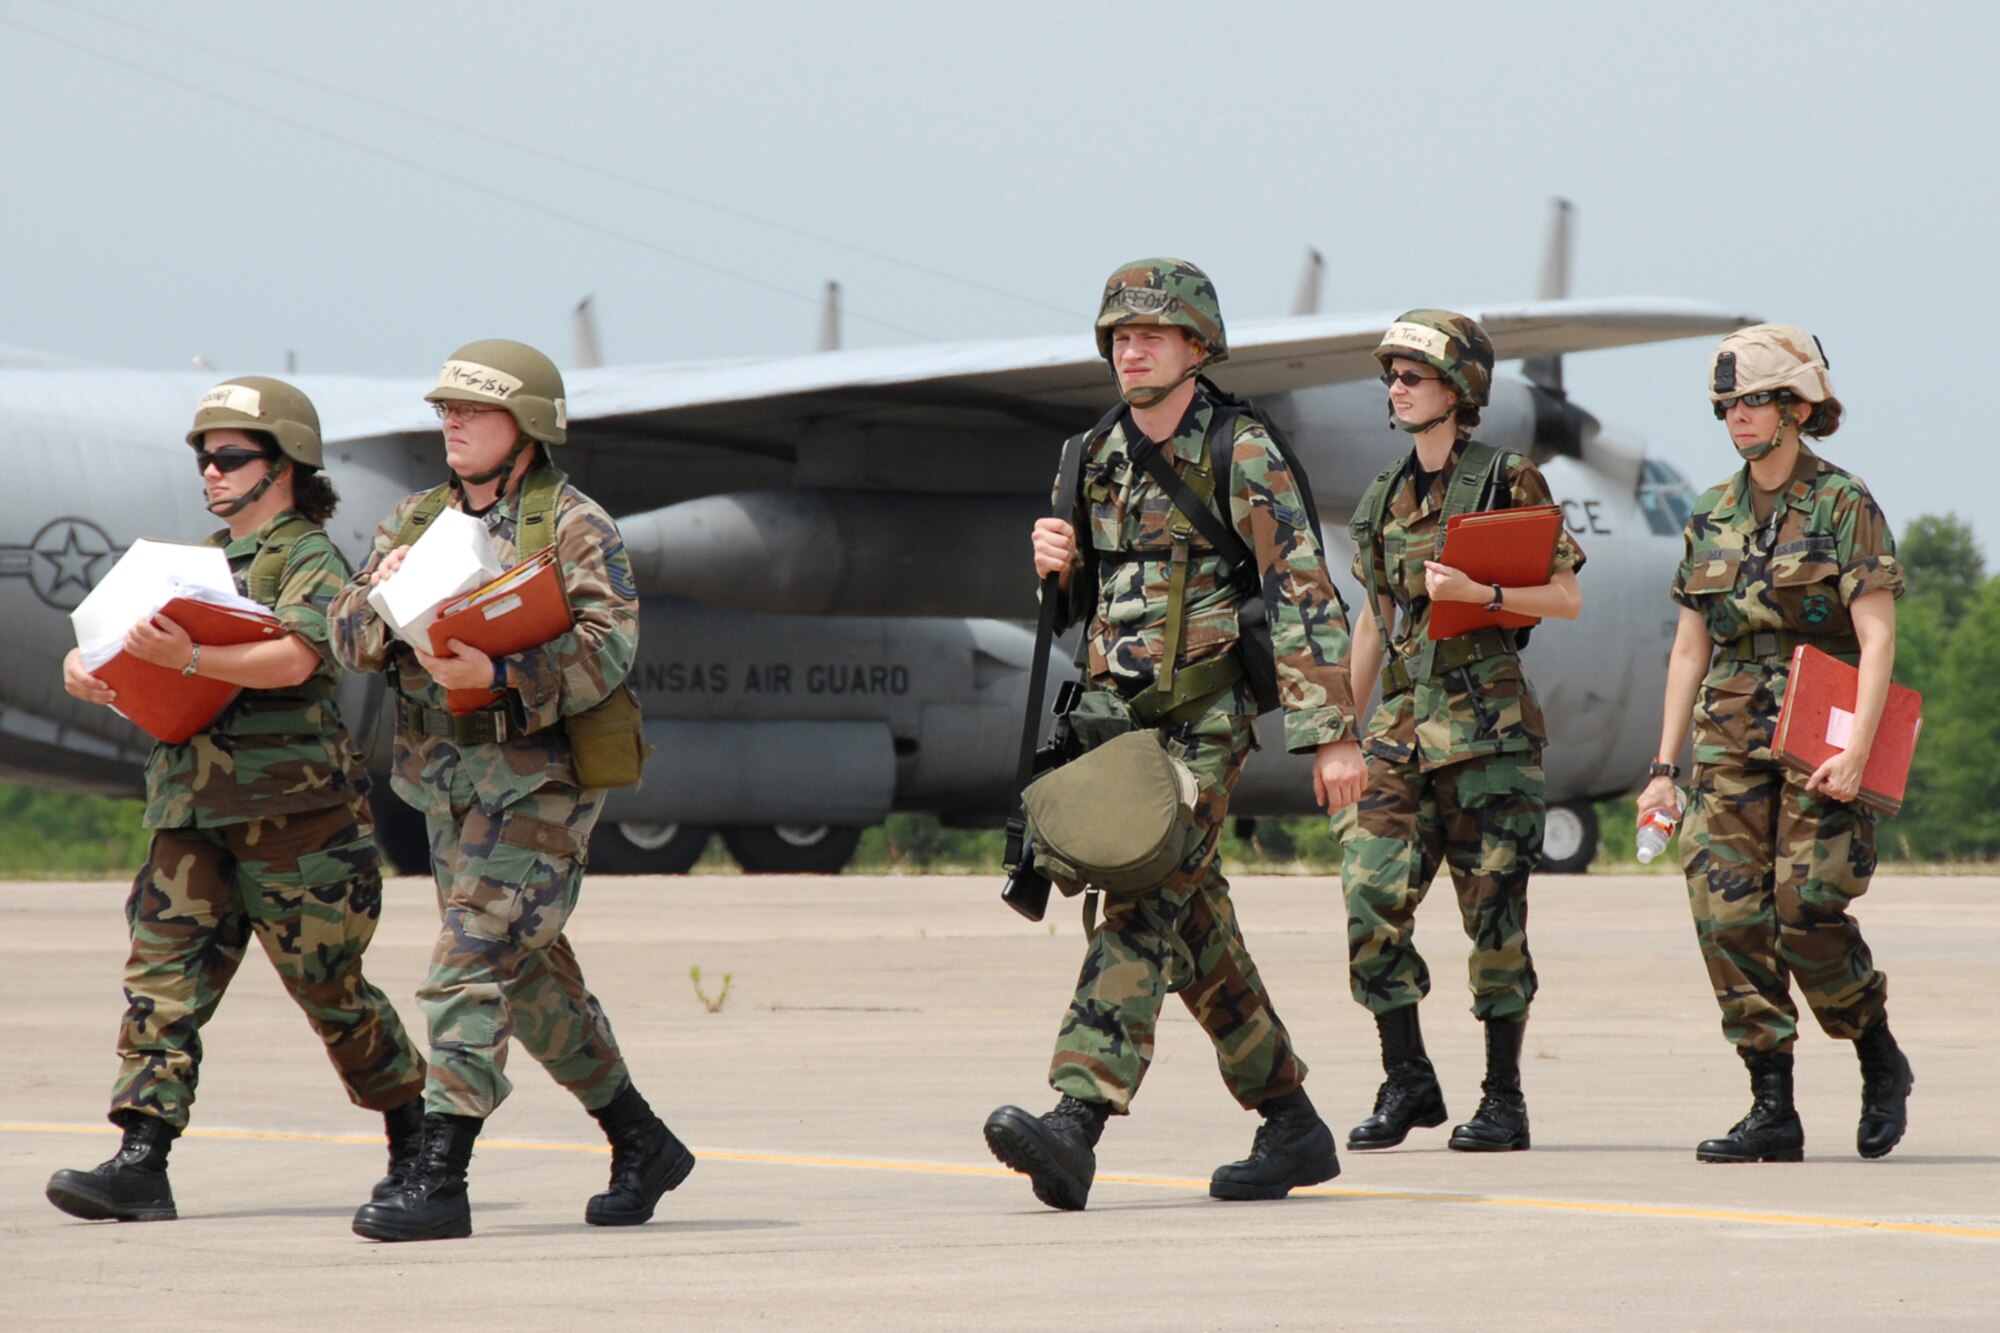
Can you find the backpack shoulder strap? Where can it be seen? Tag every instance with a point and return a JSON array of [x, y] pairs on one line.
[[420, 518], [540, 490], [1366, 528], [267, 569]]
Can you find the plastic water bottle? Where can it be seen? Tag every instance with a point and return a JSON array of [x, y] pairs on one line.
[[1656, 828]]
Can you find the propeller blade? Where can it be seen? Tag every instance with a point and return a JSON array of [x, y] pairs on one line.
[[829, 319], [1547, 371]]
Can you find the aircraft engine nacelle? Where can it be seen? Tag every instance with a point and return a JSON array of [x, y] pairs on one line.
[[845, 553]]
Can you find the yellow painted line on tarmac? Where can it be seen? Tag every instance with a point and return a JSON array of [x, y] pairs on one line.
[[1813, 1220]]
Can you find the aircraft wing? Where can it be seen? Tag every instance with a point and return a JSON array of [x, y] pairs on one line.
[[767, 407]]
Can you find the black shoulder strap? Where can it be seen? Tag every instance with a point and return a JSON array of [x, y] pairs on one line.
[[1069, 480], [1250, 408], [1213, 530]]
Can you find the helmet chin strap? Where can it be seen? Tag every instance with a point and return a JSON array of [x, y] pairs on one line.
[[1148, 395], [231, 508], [521, 443], [1750, 453], [1418, 427]]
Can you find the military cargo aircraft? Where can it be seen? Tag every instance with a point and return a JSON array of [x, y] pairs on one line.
[[832, 553]]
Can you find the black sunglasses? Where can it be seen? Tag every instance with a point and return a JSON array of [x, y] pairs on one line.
[[1410, 378], [1760, 399], [227, 460]]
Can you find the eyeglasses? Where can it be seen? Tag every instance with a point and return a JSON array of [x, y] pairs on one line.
[[1759, 399], [1410, 378], [463, 411], [226, 460]]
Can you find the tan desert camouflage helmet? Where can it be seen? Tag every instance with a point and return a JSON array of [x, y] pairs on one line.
[[1768, 358], [497, 372]]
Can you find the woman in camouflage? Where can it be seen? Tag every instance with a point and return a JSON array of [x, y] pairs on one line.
[[1788, 550], [260, 822], [1455, 750]]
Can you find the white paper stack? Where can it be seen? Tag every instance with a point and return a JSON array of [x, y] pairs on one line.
[[148, 576], [453, 557]]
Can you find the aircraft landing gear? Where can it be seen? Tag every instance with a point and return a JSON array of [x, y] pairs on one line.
[[791, 849], [1569, 838], [635, 847]]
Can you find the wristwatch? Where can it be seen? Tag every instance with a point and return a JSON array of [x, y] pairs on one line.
[[1493, 605], [194, 661], [1661, 769], [499, 673]]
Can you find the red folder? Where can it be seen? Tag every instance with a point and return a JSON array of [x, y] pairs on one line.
[[1515, 548], [167, 705], [1819, 709], [522, 609]]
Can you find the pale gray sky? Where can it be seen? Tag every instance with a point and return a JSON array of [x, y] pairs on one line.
[[1830, 165]]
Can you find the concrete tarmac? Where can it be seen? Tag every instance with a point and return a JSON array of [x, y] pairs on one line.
[[836, 1100]]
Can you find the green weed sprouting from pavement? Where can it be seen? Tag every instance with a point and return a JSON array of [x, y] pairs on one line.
[[713, 1006]]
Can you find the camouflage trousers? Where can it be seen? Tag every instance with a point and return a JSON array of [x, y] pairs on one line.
[[1771, 869], [1482, 818], [309, 886], [1182, 938], [502, 966]]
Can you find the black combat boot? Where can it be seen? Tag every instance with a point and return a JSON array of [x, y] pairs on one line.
[[1886, 1081], [431, 1204], [1293, 1148], [1409, 1097], [1771, 1132], [130, 1187], [646, 1161], [1501, 1122], [1056, 1152], [405, 1126]]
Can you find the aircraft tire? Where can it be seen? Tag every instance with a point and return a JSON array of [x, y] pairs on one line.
[[635, 847], [791, 849], [400, 833], [1569, 838]]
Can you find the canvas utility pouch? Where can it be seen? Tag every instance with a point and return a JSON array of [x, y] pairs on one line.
[[607, 744], [1119, 818]]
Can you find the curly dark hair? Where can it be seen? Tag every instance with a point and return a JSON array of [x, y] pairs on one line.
[[312, 494], [1823, 420], [1468, 418]]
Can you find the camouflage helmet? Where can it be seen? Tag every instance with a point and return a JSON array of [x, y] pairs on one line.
[[1163, 291], [258, 403], [1767, 358], [496, 372], [1451, 343]]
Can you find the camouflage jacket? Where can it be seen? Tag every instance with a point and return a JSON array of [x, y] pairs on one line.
[[271, 752], [1824, 544], [1125, 514], [564, 677], [1486, 707]]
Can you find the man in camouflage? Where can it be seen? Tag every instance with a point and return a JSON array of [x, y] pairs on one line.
[[1158, 325], [509, 821], [1454, 752], [1789, 550], [260, 822]]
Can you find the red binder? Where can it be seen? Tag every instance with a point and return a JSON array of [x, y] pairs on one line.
[[1819, 709], [522, 609], [160, 700], [1515, 548]]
